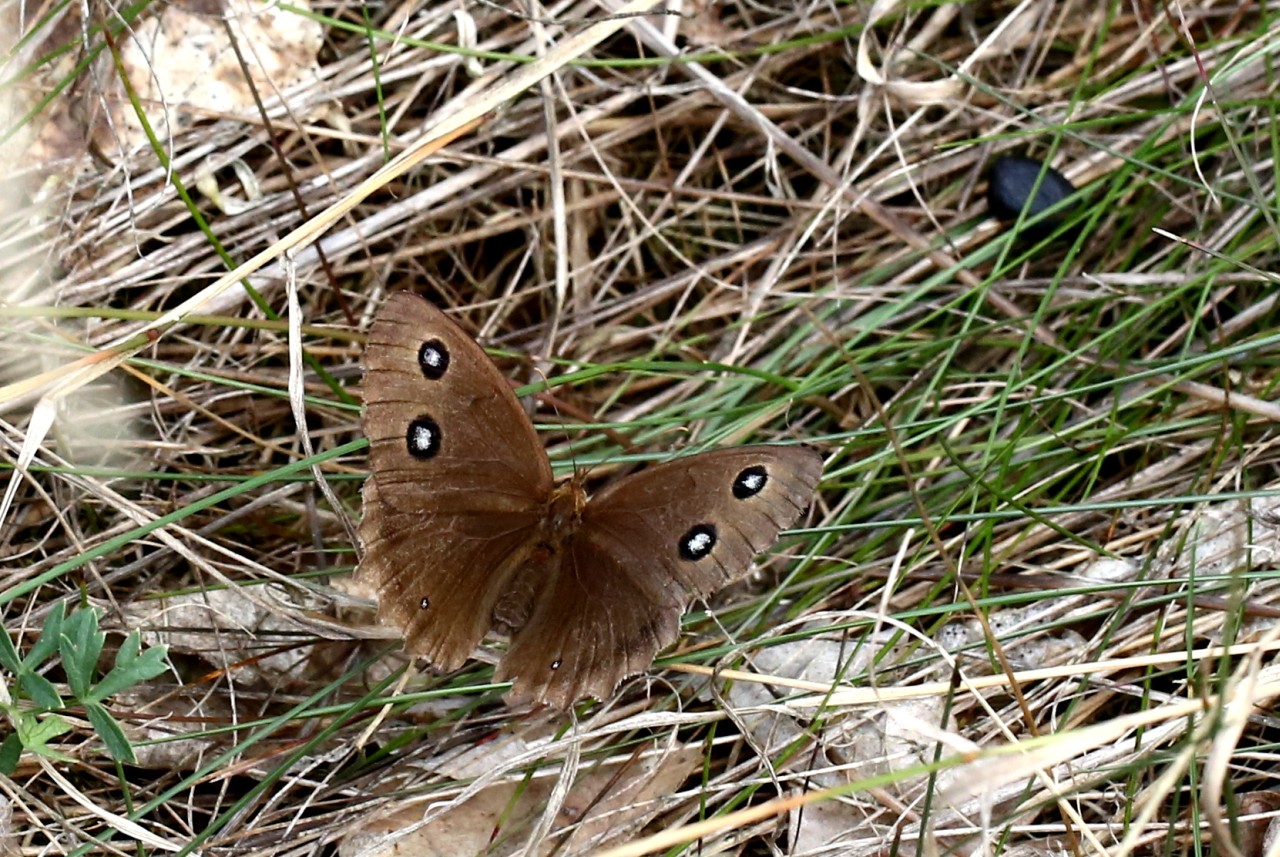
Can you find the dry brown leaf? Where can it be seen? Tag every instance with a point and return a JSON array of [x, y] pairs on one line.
[[606, 805], [184, 67], [227, 630]]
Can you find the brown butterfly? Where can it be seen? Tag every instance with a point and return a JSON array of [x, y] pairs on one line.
[[465, 529]]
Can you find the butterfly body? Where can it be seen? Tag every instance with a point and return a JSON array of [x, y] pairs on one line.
[[465, 528], [547, 543]]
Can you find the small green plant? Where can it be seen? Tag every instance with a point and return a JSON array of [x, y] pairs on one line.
[[32, 709]]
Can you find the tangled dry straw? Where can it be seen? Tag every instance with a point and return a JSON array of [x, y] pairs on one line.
[[1032, 609]]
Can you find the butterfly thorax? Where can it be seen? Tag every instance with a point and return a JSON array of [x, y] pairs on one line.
[[540, 559], [564, 509]]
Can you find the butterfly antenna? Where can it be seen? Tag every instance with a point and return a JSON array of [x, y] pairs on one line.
[[561, 408], [567, 410], [545, 396]]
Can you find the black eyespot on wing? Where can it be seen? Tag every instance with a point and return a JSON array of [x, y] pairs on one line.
[[433, 359], [423, 438], [698, 542], [555, 665], [425, 602], [750, 481]]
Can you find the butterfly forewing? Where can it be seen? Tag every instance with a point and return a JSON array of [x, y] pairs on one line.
[[424, 374], [459, 480], [703, 517], [646, 546]]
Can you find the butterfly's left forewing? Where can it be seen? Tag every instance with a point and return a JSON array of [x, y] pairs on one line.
[[458, 482], [646, 546]]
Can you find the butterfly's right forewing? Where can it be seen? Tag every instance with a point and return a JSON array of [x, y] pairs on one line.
[[458, 480], [647, 544]]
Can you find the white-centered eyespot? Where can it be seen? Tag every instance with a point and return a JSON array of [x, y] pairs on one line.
[[423, 437], [433, 359], [750, 481], [698, 542]]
